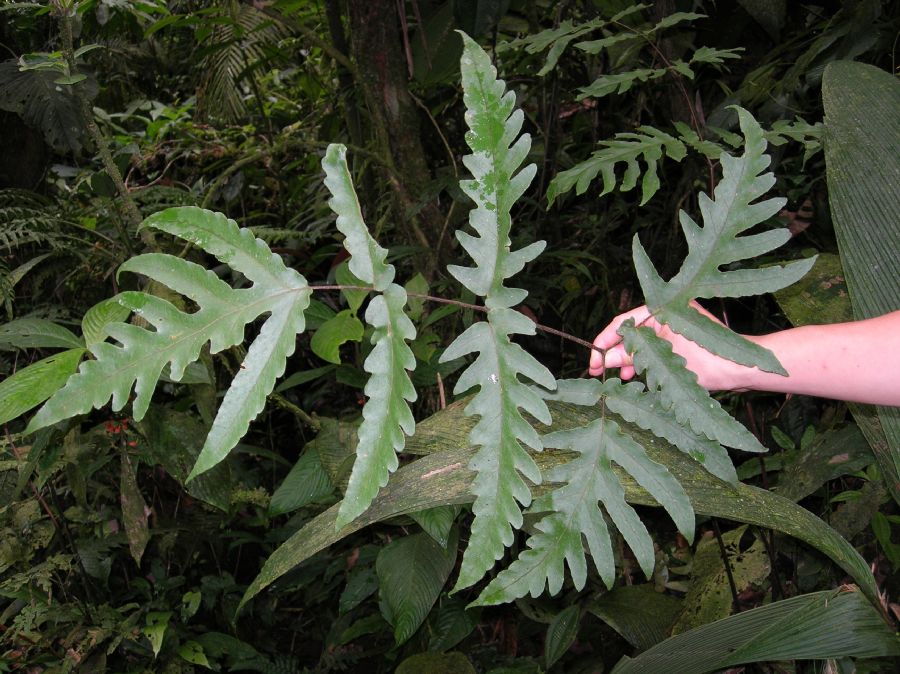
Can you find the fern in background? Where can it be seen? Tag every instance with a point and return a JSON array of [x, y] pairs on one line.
[[646, 145]]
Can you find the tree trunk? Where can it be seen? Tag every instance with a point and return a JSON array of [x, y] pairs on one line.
[[377, 48]]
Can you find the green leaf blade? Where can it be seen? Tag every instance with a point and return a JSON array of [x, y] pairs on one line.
[[367, 260], [411, 573], [265, 362], [386, 414], [32, 385], [680, 392], [644, 408]]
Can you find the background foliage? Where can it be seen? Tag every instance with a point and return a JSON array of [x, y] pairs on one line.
[[112, 561]]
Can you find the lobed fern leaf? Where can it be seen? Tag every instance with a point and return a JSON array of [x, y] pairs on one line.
[[177, 338], [589, 479], [730, 213], [679, 390], [647, 409], [634, 403], [649, 145], [501, 461], [386, 414]]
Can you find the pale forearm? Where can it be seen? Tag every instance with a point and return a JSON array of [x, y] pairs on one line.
[[858, 361]]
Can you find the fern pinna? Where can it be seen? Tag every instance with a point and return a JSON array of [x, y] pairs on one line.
[[581, 498]]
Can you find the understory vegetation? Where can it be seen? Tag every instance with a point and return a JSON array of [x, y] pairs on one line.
[[297, 300]]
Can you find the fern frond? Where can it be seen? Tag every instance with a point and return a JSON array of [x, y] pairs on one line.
[[386, 414], [589, 479], [646, 409], [237, 44], [177, 338], [679, 390], [501, 461], [648, 145], [730, 213], [558, 39]]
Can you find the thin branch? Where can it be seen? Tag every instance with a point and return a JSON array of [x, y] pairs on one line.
[[473, 307]]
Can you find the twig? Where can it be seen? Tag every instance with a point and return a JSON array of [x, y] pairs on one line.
[[473, 307], [724, 553]]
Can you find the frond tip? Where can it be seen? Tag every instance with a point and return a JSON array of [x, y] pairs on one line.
[[733, 210]]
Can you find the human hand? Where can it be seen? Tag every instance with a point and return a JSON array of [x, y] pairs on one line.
[[713, 372]]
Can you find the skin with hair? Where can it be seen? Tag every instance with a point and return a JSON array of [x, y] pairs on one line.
[[857, 361]]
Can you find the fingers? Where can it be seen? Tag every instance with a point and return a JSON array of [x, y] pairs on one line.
[[610, 341]]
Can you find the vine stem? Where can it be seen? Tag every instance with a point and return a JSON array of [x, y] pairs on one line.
[[474, 307]]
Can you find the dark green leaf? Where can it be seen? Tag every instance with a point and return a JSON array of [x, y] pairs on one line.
[[411, 574], [831, 624], [561, 634]]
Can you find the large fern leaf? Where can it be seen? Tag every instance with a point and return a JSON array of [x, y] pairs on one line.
[[386, 414], [589, 479], [729, 213], [501, 461], [177, 337]]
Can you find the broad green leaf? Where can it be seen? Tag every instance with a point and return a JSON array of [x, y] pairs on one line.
[[344, 276], [437, 522], [386, 414], [191, 651], [639, 613], [141, 354], [327, 340], [307, 482], [587, 480], [830, 624], [157, 622], [361, 584], [303, 377], [831, 455], [411, 574], [173, 440], [680, 392], [647, 145], [450, 622], [561, 634], [862, 154], [717, 243], [32, 385], [37, 333], [441, 477]]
